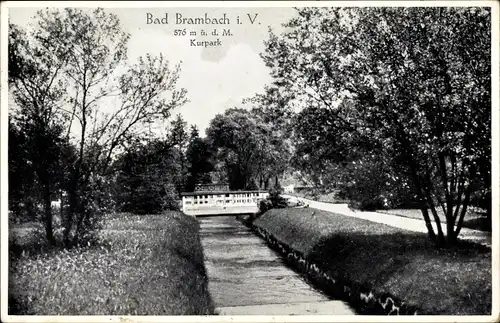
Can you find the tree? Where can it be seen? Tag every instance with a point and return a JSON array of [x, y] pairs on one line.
[[145, 178], [273, 113], [88, 51], [37, 91], [316, 126], [199, 157], [98, 47], [235, 137], [178, 138], [419, 81], [22, 190], [231, 135], [253, 148], [194, 133], [17, 42]]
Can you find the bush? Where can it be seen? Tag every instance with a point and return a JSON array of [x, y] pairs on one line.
[[87, 222], [369, 204], [149, 179], [25, 210], [481, 199], [151, 197], [273, 201], [169, 199], [275, 198], [265, 205], [372, 183]]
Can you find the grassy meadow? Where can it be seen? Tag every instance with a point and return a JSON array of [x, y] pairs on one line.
[[143, 265]]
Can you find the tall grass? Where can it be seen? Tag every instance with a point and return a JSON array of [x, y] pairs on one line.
[[142, 265]]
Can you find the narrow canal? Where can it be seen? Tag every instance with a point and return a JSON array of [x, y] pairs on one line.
[[247, 277]]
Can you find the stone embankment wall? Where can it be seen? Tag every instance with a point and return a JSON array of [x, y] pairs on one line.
[[363, 300]]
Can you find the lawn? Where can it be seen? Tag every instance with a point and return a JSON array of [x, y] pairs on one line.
[[319, 196], [144, 265], [473, 218], [385, 259]]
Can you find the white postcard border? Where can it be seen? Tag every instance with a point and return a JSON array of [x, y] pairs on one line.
[[249, 318]]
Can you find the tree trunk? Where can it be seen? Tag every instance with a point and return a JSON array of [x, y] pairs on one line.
[[428, 225], [48, 215], [61, 209], [441, 241], [451, 237], [421, 194], [183, 173], [465, 205], [79, 229], [72, 209], [30, 208], [68, 219]]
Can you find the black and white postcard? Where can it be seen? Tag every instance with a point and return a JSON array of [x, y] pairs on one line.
[[313, 161]]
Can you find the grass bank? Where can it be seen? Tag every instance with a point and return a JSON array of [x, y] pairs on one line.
[[144, 265], [473, 218], [378, 264]]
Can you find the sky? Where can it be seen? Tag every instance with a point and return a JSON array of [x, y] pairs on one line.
[[216, 78]]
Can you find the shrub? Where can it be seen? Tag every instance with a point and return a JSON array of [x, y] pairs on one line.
[[274, 200], [265, 205], [151, 197], [275, 197], [169, 199], [372, 183], [368, 204], [481, 199]]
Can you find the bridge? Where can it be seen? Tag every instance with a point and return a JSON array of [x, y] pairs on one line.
[[219, 200]]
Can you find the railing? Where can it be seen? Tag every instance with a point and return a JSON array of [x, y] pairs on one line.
[[228, 203]]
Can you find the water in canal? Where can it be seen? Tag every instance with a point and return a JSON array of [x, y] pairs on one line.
[[247, 277]]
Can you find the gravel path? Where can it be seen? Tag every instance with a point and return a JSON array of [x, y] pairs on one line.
[[417, 225]]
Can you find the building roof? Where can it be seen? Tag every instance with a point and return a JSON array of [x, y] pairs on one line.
[[211, 187], [220, 192]]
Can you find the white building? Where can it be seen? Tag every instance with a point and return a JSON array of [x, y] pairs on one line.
[[221, 202]]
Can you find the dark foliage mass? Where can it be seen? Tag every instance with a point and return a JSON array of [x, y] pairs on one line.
[[394, 106], [145, 181], [200, 158], [62, 143], [250, 150], [389, 106]]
